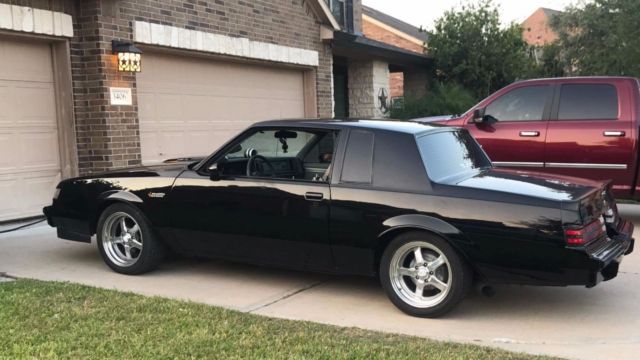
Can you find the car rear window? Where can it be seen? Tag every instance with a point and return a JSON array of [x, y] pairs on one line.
[[588, 102], [450, 154]]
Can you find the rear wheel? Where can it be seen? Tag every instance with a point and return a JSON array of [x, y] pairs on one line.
[[423, 275], [126, 242]]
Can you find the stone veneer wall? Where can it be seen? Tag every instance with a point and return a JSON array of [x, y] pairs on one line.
[[366, 80]]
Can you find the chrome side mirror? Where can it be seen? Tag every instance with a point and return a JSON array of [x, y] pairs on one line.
[[214, 173]]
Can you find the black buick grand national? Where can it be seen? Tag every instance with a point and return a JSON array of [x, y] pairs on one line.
[[419, 206]]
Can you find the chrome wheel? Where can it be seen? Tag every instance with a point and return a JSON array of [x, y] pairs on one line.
[[122, 239], [420, 274]]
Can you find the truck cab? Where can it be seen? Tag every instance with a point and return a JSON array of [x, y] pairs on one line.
[[585, 127]]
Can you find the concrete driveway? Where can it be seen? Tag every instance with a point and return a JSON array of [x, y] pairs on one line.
[[598, 323]]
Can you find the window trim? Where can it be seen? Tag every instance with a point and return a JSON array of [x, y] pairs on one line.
[[546, 112], [344, 155], [555, 110]]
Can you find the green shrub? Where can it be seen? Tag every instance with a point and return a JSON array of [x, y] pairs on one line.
[[442, 99]]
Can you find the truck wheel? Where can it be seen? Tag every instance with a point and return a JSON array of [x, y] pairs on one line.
[[423, 275], [127, 243]]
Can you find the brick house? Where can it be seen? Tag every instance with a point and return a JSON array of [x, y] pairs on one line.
[[208, 70], [537, 31], [382, 27]]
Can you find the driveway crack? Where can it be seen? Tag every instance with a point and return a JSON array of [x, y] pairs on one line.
[[258, 307]]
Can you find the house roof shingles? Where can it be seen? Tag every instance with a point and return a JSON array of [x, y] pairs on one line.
[[396, 23]]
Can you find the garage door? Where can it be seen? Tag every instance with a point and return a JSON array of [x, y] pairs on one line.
[[191, 106], [29, 151]]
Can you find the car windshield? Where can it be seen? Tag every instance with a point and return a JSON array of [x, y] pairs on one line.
[[451, 154]]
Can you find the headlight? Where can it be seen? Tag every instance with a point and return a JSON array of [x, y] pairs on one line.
[[56, 193]]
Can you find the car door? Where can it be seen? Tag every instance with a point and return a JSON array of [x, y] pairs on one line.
[[514, 135], [261, 218], [590, 133]]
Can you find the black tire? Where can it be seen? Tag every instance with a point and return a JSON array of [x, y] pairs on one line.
[[153, 250], [461, 276]]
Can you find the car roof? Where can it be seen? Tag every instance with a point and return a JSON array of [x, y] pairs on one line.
[[400, 126]]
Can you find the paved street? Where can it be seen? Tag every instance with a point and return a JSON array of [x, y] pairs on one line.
[[598, 323]]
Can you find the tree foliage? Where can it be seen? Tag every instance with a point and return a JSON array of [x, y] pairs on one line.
[[600, 37], [442, 99], [471, 48]]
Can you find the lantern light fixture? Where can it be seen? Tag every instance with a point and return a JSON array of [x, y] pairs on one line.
[[129, 56]]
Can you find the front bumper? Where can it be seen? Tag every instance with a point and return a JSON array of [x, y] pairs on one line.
[[67, 228], [608, 257]]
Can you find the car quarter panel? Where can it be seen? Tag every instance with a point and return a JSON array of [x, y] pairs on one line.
[[81, 200], [506, 242]]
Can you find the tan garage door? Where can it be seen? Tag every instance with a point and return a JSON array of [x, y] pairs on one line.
[[190, 106], [29, 151]]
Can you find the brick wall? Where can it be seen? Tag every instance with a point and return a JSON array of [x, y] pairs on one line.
[[108, 136], [375, 32], [536, 30]]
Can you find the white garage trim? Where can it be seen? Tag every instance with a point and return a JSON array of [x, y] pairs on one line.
[[175, 37], [37, 21]]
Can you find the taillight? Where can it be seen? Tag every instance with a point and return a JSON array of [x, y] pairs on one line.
[[579, 236]]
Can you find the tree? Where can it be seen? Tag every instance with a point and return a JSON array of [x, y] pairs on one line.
[[601, 37], [471, 48]]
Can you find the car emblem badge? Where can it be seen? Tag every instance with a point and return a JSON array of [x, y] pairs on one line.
[[156, 195]]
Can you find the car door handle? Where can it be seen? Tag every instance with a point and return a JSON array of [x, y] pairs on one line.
[[614, 133], [313, 196], [529, 133]]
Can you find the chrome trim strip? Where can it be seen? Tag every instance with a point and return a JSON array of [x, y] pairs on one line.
[[586, 166], [529, 133], [517, 164], [614, 133]]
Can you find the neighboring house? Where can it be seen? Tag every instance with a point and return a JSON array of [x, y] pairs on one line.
[[209, 69], [382, 27], [536, 29]]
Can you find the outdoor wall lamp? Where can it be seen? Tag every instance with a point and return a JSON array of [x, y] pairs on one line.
[[129, 56]]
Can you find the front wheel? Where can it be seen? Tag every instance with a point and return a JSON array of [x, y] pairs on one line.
[[126, 242], [423, 275]]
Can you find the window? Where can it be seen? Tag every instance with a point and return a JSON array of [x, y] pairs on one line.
[[588, 102], [281, 153], [451, 154], [522, 104], [358, 159]]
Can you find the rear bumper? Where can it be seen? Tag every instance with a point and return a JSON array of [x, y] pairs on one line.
[[67, 228], [608, 258]]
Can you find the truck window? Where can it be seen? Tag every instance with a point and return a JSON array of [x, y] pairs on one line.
[[358, 159], [522, 104], [588, 102]]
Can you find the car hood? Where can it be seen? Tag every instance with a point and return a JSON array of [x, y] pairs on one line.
[[533, 184], [163, 170]]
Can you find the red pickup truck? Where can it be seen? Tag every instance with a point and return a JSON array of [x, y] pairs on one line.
[[585, 127]]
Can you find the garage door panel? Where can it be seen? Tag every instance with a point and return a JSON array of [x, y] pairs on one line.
[[191, 106], [30, 161], [25, 61], [40, 150], [26, 194], [10, 150], [151, 144]]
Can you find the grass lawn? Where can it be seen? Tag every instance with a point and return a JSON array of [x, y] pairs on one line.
[[60, 320]]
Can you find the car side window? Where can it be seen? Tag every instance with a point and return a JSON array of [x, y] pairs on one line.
[[358, 158], [279, 153], [588, 102], [522, 104]]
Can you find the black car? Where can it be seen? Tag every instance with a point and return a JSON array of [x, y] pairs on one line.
[[420, 206]]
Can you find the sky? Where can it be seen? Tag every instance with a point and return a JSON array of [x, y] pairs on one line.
[[425, 12]]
